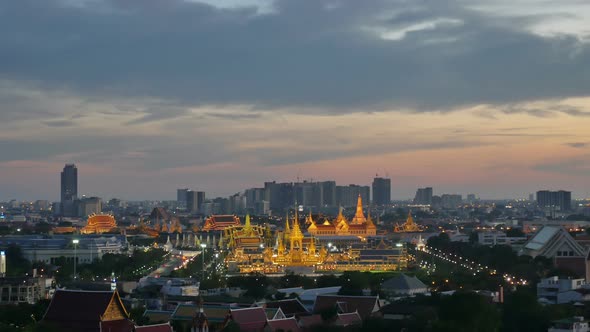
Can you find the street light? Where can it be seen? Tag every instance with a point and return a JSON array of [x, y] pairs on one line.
[[75, 242], [203, 245]]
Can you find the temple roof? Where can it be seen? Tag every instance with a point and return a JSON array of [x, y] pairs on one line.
[[364, 305], [224, 218], [82, 310], [250, 319], [289, 307], [286, 324], [102, 220], [403, 282]]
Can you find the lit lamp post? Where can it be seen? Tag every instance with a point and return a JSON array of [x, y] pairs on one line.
[[203, 245], [75, 242]]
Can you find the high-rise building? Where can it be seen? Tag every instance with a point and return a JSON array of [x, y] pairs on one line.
[[451, 201], [194, 200], [560, 200], [308, 194], [423, 196], [381, 191], [253, 197], [348, 195], [181, 197], [279, 195], [89, 205], [328, 193], [69, 190]]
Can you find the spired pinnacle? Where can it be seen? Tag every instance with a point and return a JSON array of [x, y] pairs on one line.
[[359, 216], [287, 227]]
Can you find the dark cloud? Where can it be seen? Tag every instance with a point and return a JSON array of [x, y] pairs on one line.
[[305, 54], [234, 116], [59, 123], [545, 112], [577, 144]]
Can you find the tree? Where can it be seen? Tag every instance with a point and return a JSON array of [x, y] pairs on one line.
[[16, 264], [522, 312], [466, 311]]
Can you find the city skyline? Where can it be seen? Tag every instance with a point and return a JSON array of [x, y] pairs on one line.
[[484, 97], [377, 191]]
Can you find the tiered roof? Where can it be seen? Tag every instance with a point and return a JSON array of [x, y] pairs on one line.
[[250, 319], [87, 311], [364, 305], [99, 223], [220, 222]]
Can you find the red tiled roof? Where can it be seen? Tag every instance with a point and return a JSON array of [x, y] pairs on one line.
[[312, 320], [347, 319], [154, 328], [249, 319], [289, 307], [364, 305], [224, 218], [286, 325], [121, 325]]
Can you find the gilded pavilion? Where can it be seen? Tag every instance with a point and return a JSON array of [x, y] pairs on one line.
[[408, 227], [99, 223], [359, 225]]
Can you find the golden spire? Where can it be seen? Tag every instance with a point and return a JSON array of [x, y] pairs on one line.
[[369, 219], [359, 216], [281, 246], [312, 247], [296, 232], [247, 227], [287, 227], [410, 220]]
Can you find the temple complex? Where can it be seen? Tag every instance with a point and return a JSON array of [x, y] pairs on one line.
[[408, 227], [255, 249], [359, 225], [99, 223]]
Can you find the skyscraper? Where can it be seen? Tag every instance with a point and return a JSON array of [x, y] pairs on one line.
[[69, 190], [381, 191], [423, 196], [561, 200], [347, 196], [181, 197], [194, 200]]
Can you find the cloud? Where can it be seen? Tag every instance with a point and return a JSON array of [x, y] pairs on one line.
[[577, 144], [59, 123], [234, 116], [305, 56], [575, 166]]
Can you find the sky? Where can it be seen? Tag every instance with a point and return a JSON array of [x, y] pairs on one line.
[[490, 97]]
